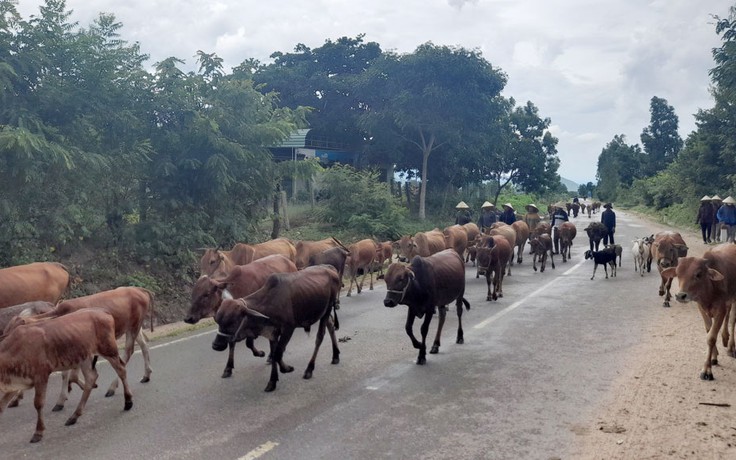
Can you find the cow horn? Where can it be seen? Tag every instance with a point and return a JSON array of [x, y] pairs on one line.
[[254, 313]]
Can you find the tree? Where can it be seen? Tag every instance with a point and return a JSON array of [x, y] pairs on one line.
[[619, 164], [432, 99], [660, 139]]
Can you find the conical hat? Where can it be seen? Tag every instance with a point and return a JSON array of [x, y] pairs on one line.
[[487, 204], [729, 200], [716, 198], [532, 205], [508, 205], [706, 198], [462, 205]]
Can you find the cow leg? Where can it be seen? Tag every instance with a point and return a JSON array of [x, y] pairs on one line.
[[490, 295], [510, 263], [333, 338], [708, 323], [543, 260], [667, 295], [424, 330], [143, 343], [460, 334], [317, 344], [499, 284], [90, 377], [712, 353], [595, 267], [250, 343], [436, 345], [605, 268], [277, 352], [534, 262], [63, 395], [552, 259], [39, 399], [350, 288], [130, 340], [228, 372], [7, 397], [409, 328]]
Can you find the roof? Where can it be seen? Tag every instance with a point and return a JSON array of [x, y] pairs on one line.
[[296, 139]]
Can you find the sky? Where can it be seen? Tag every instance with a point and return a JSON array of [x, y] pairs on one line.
[[590, 66]]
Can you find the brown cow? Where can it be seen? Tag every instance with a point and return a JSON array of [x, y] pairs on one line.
[[43, 281], [243, 280], [218, 264], [508, 232], [362, 255], [666, 249], [542, 245], [473, 231], [422, 244], [384, 252], [595, 231], [305, 249], [287, 301], [30, 353], [711, 282], [127, 305], [522, 235], [568, 231], [456, 237], [428, 284], [492, 255]]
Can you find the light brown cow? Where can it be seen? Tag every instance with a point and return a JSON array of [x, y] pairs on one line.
[[667, 248], [508, 232], [384, 252], [522, 235], [456, 237], [305, 249], [568, 231], [421, 244], [217, 264], [43, 281], [711, 282], [473, 231], [30, 353], [493, 253], [128, 306], [362, 256]]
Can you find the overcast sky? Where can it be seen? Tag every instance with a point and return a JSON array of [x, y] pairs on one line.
[[590, 66]]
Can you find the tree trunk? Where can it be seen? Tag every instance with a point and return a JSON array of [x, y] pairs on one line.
[[407, 189], [423, 189], [276, 229], [285, 210]]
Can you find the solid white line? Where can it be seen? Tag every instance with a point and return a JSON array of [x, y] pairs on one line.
[[259, 451], [183, 339], [518, 303]]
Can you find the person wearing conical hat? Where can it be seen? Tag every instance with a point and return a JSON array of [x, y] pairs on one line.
[[508, 215], [532, 217], [559, 217], [463, 215], [487, 217], [608, 218], [727, 217], [715, 233], [705, 218]]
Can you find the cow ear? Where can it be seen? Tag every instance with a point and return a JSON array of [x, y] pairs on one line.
[[669, 272], [255, 314], [715, 275]]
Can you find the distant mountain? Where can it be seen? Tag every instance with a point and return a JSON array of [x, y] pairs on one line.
[[570, 185]]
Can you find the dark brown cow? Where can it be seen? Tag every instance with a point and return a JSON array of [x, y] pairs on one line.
[[522, 235], [43, 281], [492, 255], [127, 305], [243, 280], [567, 234], [456, 237], [711, 282], [217, 264], [473, 231], [362, 255], [508, 232], [428, 284], [541, 246], [667, 248], [30, 353], [422, 244], [305, 249], [337, 257], [287, 301], [596, 231]]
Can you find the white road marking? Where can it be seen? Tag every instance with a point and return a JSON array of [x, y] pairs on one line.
[[259, 451], [183, 339], [519, 303]]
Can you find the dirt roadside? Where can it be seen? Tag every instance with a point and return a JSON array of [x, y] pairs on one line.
[[655, 408]]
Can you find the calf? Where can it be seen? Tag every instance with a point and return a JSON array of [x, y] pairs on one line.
[[473, 231], [508, 232], [639, 249], [522, 235], [604, 257], [384, 252], [667, 248], [428, 284], [287, 301], [362, 255], [711, 282], [492, 255], [568, 231], [30, 353], [541, 246]]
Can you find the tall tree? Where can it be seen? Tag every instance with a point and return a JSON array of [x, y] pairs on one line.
[[660, 139], [619, 164], [432, 99]]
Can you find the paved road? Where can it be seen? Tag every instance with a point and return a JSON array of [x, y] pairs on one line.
[[533, 368]]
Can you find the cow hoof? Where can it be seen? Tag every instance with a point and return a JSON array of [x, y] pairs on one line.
[[434, 350], [270, 387], [287, 369], [489, 298], [421, 361], [535, 268], [128, 405], [145, 379], [227, 373], [71, 421], [706, 376], [541, 270], [335, 361], [666, 304], [307, 375], [57, 408], [36, 438], [110, 393], [349, 295], [732, 353], [15, 403], [460, 340], [261, 354]]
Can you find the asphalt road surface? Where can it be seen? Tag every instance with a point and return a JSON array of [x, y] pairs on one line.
[[534, 366]]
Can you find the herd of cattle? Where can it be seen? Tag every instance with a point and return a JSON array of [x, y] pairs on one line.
[[271, 289]]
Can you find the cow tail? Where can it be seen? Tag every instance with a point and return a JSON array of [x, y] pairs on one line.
[[151, 297], [68, 289], [337, 323], [467, 304]]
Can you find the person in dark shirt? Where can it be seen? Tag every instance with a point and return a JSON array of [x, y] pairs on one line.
[[608, 218], [487, 217], [706, 216], [559, 216], [508, 215], [463, 215]]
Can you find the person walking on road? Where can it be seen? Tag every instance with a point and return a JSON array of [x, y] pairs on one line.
[[532, 217], [727, 217], [487, 217], [715, 232], [463, 215], [508, 215], [608, 218], [705, 218], [559, 216]]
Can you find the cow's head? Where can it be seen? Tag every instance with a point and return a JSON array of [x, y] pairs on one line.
[[398, 279], [237, 322], [206, 298], [697, 280], [214, 262], [406, 248]]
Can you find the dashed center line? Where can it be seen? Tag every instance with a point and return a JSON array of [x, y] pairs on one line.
[[259, 451]]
